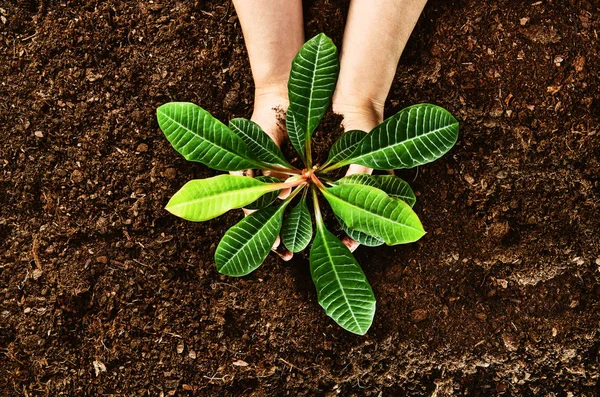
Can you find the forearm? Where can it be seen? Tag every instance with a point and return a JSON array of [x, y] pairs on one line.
[[376, 33], [273, 32]]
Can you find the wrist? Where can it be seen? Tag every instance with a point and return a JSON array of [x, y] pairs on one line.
[[359, 112], [270, 104], [359, 116]]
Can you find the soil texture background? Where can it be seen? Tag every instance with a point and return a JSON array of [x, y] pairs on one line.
[[103, 293]]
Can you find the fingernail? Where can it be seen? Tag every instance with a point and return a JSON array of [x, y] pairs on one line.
[[350, 243], [247, 212], [276, 244], [285, 193], [285, 255]]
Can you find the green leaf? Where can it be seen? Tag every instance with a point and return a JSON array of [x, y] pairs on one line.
[[360, 237], [391, 184], [259, 143], [296, 134], [414, 136], [342, 288], [396, 187], [357, 179], [345, 146], [370, 210], [311, 84], [203, 199], [245, 246], [266, 199], [200, 137], [297, 228]]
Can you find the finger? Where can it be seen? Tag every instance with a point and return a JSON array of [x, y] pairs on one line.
[[275, 174], [276, 244], [247, 211], [358, 169], [350, 243], [285, 193], [249, 173], [280, 250], [285, 255]]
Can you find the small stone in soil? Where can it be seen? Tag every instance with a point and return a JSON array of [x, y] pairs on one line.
[[76, 176], [510, 342], [240, 363], [37, 273], [142, 148], [170, 173], [579, 63], [499, 229], [418, 315], [503, 283]]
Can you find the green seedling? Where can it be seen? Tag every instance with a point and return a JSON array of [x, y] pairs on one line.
[[372, 209]]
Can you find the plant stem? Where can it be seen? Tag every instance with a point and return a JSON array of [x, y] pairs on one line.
[[332, 167], [295, 192], [326, 179], [318, 216], [285, 185], [287, 171], [317, 182], [304, 194]]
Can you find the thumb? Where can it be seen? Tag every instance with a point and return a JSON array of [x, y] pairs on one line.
[[249, 173], [285, 192], [350, 243]]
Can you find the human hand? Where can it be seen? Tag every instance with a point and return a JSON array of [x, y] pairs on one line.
[[267, 105]]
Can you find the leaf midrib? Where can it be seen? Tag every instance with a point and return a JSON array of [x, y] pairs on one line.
[[244, 245], [337, 278], [402, 143], [295, 230], [310, 98], [222, 195]]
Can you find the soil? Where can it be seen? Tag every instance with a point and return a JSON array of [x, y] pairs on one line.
[[104, 293]]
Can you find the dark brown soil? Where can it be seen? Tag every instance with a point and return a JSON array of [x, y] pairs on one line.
[[102, 292]]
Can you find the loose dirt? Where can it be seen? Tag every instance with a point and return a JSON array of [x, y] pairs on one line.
[[102, 292]]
